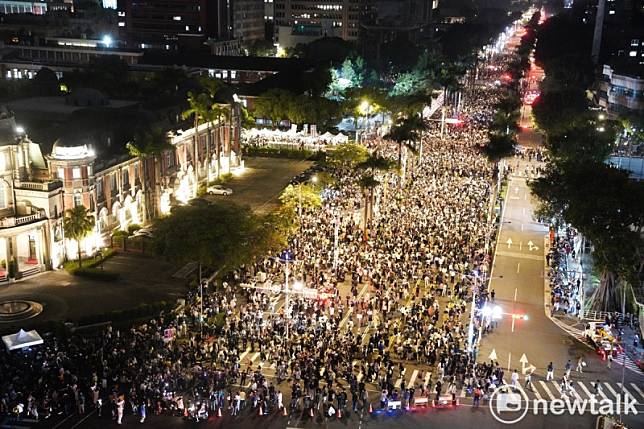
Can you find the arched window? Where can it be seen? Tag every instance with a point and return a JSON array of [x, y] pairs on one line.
[[4, 200]]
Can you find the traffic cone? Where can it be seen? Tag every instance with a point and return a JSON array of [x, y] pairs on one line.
[[185, 412], [311, 411], [260, 411], [370, 408], [219, 412], [284, 413], [339, 413]]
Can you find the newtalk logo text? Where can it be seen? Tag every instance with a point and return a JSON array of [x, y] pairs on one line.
[[510, 404]]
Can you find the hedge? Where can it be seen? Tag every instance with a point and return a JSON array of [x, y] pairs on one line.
[[96, 274], [274, 152]]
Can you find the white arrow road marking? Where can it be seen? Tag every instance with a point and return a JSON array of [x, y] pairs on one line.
[[531, 246], [509, 242], [492, 355]]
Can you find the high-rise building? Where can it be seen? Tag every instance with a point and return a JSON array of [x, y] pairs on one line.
[[337, 18], [172, 23]]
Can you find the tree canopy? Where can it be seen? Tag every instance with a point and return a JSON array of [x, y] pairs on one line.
[[219, 236]]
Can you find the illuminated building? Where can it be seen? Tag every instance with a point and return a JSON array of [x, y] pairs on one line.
[[117, 189], [31, 205]]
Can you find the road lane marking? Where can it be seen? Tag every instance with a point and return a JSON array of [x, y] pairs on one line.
[[545, 388], [585, 389], [637, 389], [518, 255], [608, 386], [626, 392], [536, 392], [412, 379], [427, 377], [518, 267]]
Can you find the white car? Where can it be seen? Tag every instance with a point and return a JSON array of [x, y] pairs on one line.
[[144, 232], [219, 190]]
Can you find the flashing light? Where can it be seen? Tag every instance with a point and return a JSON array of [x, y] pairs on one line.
[[497, 312], [107, 41]]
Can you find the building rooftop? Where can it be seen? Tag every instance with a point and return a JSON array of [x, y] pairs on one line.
[[222, 62]]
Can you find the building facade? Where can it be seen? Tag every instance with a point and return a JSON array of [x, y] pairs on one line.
[[19, 6], [621, 93], [339, 18], [171, 24], [31, 205], [35, 191]]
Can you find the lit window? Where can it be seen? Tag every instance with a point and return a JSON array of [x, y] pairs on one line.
[[611, 12], [61, 173], [121, 24], [176, 18], [632, 54], [76, 173], [187, 28], [78, 199]]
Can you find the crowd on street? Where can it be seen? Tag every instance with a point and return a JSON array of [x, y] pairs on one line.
[[396, 287]]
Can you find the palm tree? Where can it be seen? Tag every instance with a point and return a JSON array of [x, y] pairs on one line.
[[77, 225], [222, 113], [406, 132], [149, 146], [368, 183], [198, 107]]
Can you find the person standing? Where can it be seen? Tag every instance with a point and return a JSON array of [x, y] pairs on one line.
[[580, 364], [142, 412], [528, 381], [515, 378], [551, 372], [120, 406], [609, 360], [568, 368]]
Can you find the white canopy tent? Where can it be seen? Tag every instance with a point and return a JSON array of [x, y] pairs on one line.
[[22, 339]]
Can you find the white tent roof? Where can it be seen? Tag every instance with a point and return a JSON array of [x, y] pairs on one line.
[[341, 138], [22, 339]]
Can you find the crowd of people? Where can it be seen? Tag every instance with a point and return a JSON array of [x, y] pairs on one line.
[[397, 290]]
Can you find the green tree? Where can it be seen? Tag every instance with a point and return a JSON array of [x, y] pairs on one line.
[[303, 196], [77, 225], [348, 155], [556, 112], [606, 207], [407, 132], [218, 236], [499, 146], [198, 109]]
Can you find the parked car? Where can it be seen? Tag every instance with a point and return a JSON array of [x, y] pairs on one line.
[[219, 190], [144, 232]]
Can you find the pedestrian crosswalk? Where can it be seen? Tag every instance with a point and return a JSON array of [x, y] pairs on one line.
[[583, 390]]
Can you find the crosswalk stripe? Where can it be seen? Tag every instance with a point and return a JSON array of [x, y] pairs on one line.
[[412, 379], [243, 355], [398, 383], [463, 393], [626, 392], [254, 357], [427, 377], [611, 390], [536, 392], [637, 389], [557, 387], [601, 391], [575, 394], [585, 389], [545, 388]]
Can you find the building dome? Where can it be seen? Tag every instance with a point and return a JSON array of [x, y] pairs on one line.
[[73, 146], [8, 127]]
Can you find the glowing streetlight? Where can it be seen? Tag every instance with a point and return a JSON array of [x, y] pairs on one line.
[[107, 41], [314, 179], [20, 130], [497, 312]]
